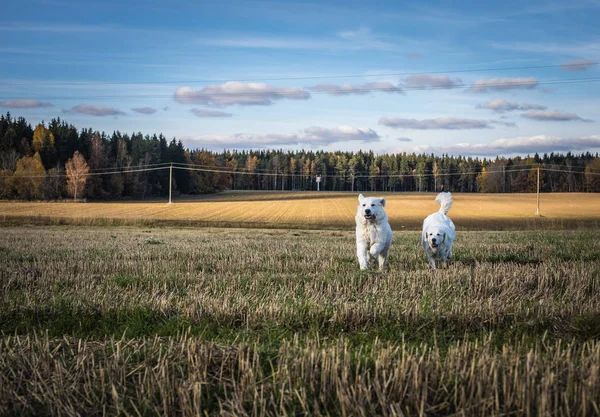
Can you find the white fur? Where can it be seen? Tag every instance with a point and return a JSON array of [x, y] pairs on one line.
[[439, 227], [373, 232]]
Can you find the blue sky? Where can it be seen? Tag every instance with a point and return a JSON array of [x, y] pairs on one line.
[[470, 78]]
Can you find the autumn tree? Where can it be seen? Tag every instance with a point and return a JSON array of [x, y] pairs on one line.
[[6, 184], [482, 180], [77, 170], [43, 143], [250, 168], [29, 176]]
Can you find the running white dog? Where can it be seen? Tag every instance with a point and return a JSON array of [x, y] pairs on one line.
[[438, 232], [373, 232]]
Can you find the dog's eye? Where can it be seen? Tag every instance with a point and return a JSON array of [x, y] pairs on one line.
[[438, 234], [364, 205], [372, 205]]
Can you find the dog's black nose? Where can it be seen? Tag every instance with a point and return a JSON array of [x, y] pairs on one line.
[[433, 240], [368, 211]]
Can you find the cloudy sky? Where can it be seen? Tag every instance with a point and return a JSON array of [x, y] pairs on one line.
[[466, 78]]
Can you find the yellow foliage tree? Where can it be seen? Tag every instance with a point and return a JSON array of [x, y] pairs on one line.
[[77, 171], [29, 177], [482, 180], [42, 138]]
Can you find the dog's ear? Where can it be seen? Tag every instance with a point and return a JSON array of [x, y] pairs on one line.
[[382, 201], [360, 197]]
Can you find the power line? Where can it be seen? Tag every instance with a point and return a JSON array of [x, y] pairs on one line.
[[224, 167], [334, 91], [231, 172], [198, 81], [133, 166], [86, 175], [570, 172]]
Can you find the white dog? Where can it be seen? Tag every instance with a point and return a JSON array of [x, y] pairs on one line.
[[438, 232], [373, 232]]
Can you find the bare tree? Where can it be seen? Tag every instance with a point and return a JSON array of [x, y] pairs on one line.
[[77, 170], [8, 160]]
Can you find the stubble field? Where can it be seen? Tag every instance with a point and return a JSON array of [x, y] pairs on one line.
[[207, 321], [317, 211]]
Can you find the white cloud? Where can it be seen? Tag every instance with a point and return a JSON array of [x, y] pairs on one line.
[[144, 110], [424, 81], [242, 93], [210, 113], [313, 136], [347, 89], [447, 123], [484, 85], [553, 116], [94, 110], [519, 145], [24, 104], [578, 65], [500, 105]]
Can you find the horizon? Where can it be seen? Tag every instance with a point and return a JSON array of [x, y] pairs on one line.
[[472, 80]]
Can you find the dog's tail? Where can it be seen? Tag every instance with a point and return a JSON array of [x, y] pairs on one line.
[[445, 200]]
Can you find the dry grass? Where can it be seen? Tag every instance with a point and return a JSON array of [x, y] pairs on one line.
[[129, 321], [316, 211], [189, 377]]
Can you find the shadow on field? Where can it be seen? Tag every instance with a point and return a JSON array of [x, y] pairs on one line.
[[398, 225], [65, 319]]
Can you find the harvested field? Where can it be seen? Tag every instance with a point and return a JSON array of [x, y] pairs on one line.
[[156, 321], [311, 210]]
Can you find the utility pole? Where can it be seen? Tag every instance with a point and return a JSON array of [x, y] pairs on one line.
[[170, 181], [282, 178], [537, 212]]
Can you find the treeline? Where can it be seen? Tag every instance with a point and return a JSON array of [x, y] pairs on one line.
[[32, 166]]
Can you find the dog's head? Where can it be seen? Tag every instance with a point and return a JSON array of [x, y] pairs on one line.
[[370, 209], [435, 237]]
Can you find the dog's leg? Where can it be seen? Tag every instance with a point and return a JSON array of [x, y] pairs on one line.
[[363, 255], [432, 263], [446, 257], [376, 250], [383, 258]]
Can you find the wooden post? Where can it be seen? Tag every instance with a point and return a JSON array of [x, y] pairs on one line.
[[170, 181], [537, 212]]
